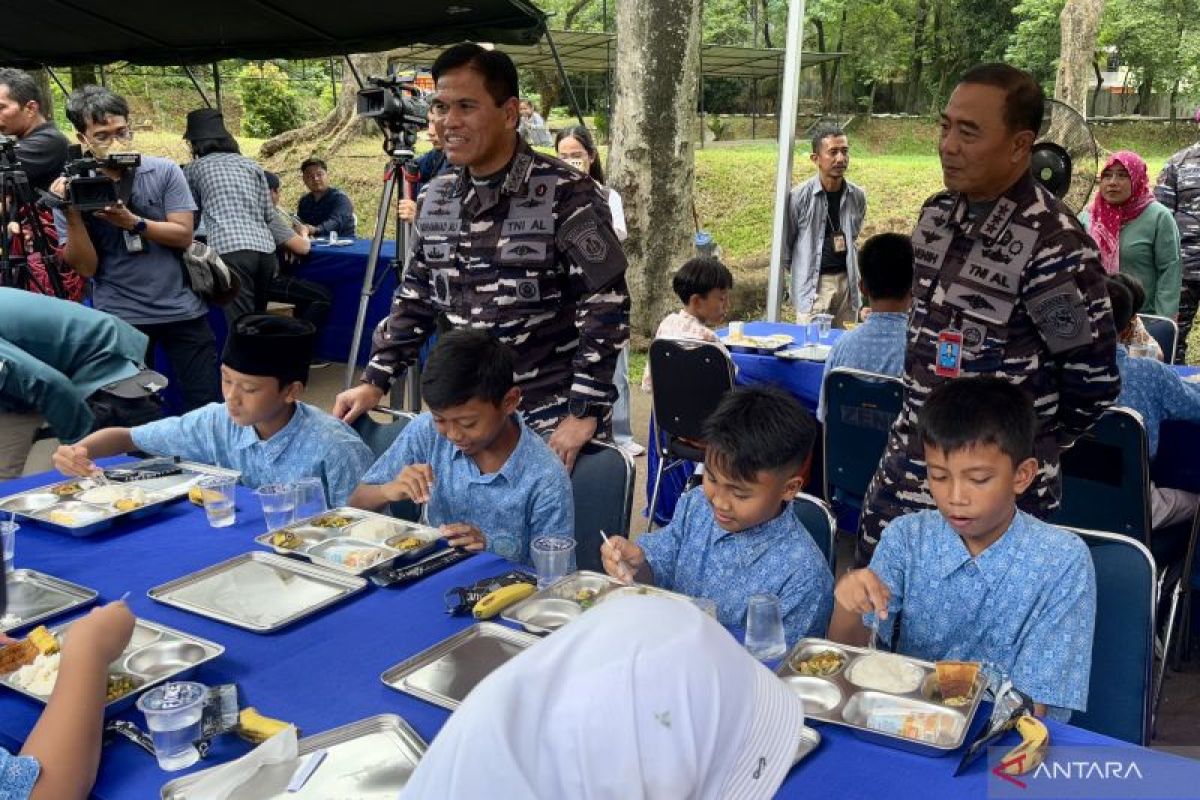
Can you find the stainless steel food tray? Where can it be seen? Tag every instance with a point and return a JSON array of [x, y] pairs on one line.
[[35, 596], [363, 530], [549, 609], [447, 672], [155, 654], [837, 700], [37, 505], [258, 591], [371, 759]]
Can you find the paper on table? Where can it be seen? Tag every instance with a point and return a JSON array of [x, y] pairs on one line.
[[222, 781], [256, 593]]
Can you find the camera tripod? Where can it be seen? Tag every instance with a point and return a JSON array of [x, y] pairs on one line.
[[398, 183], [18, 204]]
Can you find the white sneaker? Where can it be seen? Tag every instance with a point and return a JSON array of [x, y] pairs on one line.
[[632, 448]]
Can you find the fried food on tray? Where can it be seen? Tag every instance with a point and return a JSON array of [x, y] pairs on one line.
[[43, 640], [66, 489], [956, 679], [405, 544], [128, 504], [331, 521], [16, 655], [285, 539], [820, 664]]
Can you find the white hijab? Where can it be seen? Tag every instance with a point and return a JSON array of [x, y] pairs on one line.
[[641, 697]]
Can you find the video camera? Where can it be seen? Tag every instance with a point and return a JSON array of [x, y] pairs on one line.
[[89, 189], [8, 154], [397, 104]]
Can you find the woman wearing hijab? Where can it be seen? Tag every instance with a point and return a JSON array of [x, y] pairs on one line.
[[671, 708], [1136, 234]]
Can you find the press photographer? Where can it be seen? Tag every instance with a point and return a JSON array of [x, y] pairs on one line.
[[131, 248], [41, 147]]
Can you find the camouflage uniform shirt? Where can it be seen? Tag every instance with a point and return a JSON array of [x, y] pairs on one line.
[[1024, 288], [1179, 190], [530, 258]]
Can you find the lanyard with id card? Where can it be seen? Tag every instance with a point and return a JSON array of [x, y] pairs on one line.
[[948, 361]]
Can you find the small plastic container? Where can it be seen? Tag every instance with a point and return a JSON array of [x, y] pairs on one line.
[[173, 715]]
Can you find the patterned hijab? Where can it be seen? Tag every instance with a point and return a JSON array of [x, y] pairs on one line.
[[1107, 219]]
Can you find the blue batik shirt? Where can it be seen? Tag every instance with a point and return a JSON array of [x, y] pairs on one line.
[[877, 345], [18, 774], [1157, 392], [1026, 605], [696, 556], [529, 496], [312, 445]]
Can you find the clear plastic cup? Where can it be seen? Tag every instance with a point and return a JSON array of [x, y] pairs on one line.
[[173, 713], [764, 628], [8, 535], [553, 557], [278, 504], [333, 237], [737, 330], [1141, 351], [218, 497], [310, 498], [823, 323]]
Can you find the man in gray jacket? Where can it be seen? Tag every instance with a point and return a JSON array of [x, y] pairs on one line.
[[825, 215]]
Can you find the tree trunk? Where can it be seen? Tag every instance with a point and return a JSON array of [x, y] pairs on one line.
[[1079, 24], [651, 160], [918, 57], [549, 89], [1145, 94], [1099, 88], [766, 22], [342, 123], [826, 86], [43, 81]]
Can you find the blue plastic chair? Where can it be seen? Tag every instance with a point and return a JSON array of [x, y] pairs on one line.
[[602, 485], [1165, 332], [379, 436], [860, 408], [817, 519], [1121, 687]]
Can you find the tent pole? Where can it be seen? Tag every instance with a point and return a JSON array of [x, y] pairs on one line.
[[789, 102], [192, 77], [562, 74]]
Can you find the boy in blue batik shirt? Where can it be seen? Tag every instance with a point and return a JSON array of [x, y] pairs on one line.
[[736, 535], [487, 480], [1158, 393], [977, 579], [885, 264], [262, 430]]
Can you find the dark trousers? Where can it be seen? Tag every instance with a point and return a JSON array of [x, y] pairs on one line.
[[255, 270], [312, 300], [1189, 295], [192, 350]]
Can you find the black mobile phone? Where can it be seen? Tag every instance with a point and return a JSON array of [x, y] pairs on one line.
[[145, 470]]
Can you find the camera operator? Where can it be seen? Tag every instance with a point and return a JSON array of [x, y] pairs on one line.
[[41, 147], [517, 244], [132, 248]]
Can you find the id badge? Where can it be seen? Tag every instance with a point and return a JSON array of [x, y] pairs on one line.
[[839, 243], [133, 242], [948, 361]]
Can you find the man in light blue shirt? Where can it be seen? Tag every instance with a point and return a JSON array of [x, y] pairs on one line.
[[262, 430], [877, 345], [485, 478], [737, 536], [977, 579], [1158, 393]]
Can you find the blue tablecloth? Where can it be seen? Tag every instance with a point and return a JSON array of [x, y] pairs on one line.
[[324, 672], [341, 270]]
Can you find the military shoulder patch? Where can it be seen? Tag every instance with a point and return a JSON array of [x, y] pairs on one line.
[[1060, 312]]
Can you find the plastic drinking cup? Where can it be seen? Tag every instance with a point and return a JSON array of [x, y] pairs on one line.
[[553, 557], [217, 493], [1141, 351], [737, 330], [278, 504], [8, 535], [823, 322], [310, 498], [173, 712], [333, 237], [764, 628]]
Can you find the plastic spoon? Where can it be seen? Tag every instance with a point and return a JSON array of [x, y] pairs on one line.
[[628, 569]]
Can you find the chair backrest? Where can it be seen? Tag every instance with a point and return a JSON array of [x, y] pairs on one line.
[[689, 378], [860, 408], [379, 437], [1165, 332], [817, 519], [1106, 477], [1120, 689], [602, 485]]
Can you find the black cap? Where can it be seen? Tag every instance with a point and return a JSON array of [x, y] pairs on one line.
[[205, 123], [270, 346]]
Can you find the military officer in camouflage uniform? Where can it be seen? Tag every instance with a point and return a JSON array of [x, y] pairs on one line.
[[1179, 190], [1007, 284], [518, 244]]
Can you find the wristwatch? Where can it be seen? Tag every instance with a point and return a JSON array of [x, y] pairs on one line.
[[139, 226], [580, 408]]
